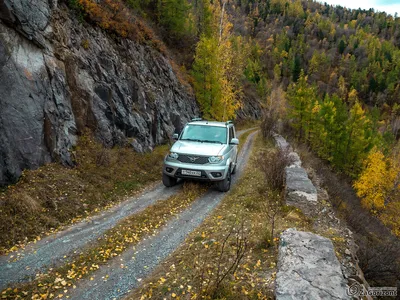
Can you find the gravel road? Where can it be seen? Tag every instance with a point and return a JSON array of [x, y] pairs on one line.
[[125, 272], [50, 251], [56, 249]]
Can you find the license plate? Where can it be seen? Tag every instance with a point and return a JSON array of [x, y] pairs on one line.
[[191, 173]]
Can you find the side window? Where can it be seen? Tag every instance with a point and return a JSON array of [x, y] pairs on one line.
[[231, 134]]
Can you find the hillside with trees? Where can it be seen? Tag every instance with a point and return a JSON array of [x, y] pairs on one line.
[[331, 73], [340, 71], [92, 90]]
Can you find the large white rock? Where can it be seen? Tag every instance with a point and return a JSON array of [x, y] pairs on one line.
[[308, 268]]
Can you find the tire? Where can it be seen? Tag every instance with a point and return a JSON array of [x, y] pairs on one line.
[[168, 181], [225, 185]]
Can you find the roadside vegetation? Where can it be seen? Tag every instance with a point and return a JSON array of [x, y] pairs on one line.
[[233, 254], [56, 282], [352, 140], [246, 124], [53, 195], [377, 248]]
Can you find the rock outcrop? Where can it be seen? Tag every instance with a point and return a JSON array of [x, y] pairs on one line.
[[308, 268], [59, 76], [251, 108]]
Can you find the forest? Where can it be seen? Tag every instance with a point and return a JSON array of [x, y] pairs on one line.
[[329, 73]]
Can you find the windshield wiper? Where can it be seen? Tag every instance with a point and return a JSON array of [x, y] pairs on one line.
[[207, 141], [193, 140], [201, 141]]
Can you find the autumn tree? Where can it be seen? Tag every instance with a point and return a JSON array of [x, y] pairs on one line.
[[219, 63], [207, 73], [376, 181], [331, 115]]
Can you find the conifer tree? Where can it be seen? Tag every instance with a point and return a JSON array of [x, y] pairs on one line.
[[356, 140], [301, 98]]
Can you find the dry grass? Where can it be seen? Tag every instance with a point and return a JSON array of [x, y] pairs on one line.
[[240, 222], [113, 242], [242, 125], [243, 139], [52, 196]]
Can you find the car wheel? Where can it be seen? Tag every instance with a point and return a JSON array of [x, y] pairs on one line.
[[168, 181], [225, 185]]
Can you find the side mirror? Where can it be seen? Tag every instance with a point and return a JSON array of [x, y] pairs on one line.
[[175, 137], [234, 141]]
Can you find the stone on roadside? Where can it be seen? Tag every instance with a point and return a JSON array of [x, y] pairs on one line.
[[299, 187], [308, 268]]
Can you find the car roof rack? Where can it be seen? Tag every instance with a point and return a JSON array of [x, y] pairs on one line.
[[229, 122], [197, 119]]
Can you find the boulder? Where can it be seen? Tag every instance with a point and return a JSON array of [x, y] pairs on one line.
[[308, 268], [299, 187]]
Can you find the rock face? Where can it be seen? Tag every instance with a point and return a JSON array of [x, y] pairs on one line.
[[308, 268], [59, 76], [251, 108]]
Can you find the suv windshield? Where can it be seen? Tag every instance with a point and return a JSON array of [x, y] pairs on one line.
[[204, 133]]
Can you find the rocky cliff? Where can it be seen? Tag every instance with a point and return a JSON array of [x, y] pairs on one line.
[[59, 76]]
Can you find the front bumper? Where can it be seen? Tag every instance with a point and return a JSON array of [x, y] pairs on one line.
[[208, 172]]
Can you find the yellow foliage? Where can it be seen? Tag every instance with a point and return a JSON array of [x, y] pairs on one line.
[[353, 97], [391, 217], [376, 181]]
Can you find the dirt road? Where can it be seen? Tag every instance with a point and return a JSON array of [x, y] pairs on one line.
[[123, 274], [57, 249]]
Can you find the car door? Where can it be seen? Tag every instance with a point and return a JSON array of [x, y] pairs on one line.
[[232, 148]]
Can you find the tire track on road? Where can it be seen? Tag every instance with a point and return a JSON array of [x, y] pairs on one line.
[[139, 262], [50, 251], [55, 250]]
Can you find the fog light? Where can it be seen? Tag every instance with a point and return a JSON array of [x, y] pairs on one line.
[[169, 170], [216, 174]]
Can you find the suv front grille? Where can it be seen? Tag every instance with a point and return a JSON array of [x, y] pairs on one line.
[[193, 159]]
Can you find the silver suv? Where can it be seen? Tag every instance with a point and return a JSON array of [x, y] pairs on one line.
[[204, 150]]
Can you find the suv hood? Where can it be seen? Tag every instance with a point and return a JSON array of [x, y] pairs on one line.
[[198, 148]]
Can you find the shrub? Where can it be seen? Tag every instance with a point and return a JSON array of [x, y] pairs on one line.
[[273, 165], [85, 44], [268, 126], [114, 16]]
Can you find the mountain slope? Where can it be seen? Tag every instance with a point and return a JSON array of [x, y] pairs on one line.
[[60, 76]]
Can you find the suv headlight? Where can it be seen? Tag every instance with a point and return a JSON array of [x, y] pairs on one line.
[[216, 159], [173, 155]]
